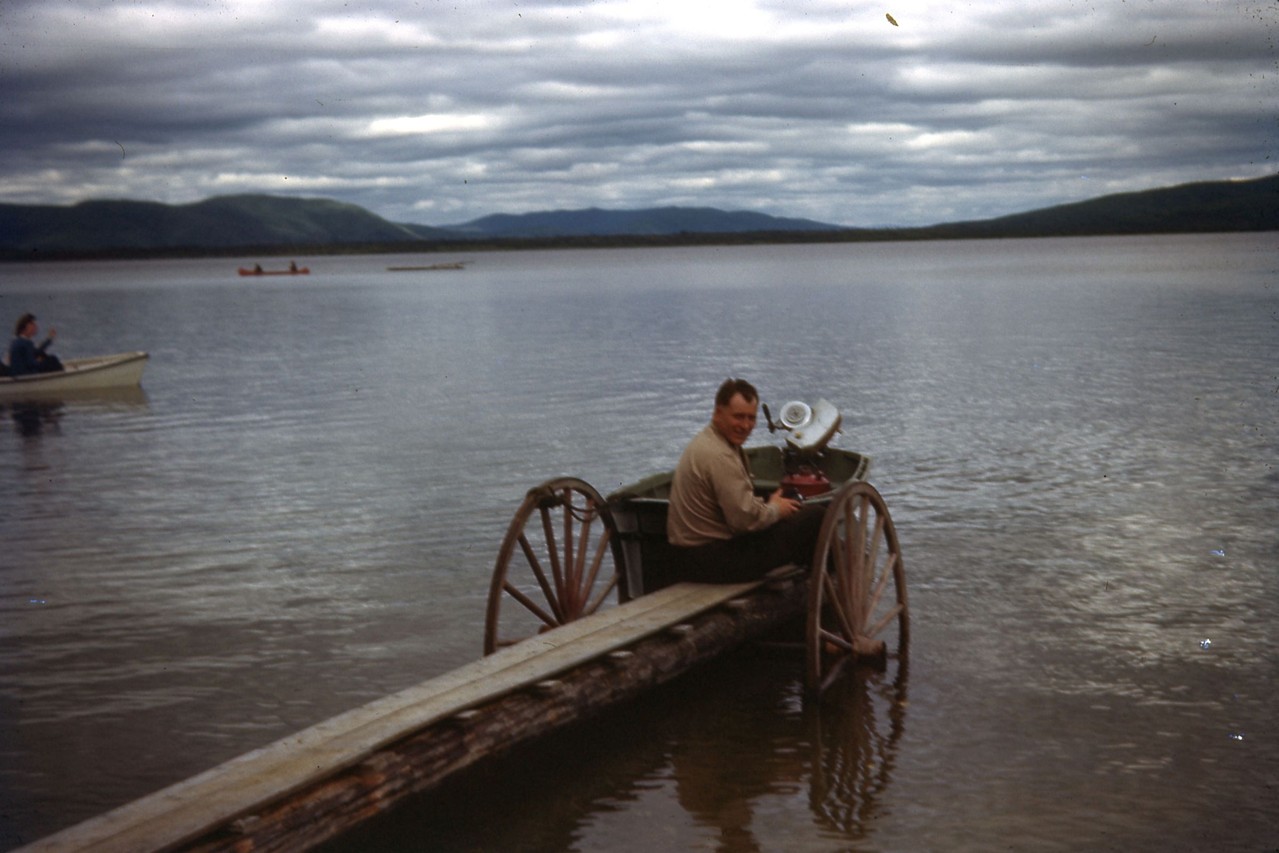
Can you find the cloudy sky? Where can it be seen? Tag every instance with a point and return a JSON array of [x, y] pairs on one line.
[[441, 111]]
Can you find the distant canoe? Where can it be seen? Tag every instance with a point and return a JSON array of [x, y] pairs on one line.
[[122, 370], [253, 271], [455, 265]]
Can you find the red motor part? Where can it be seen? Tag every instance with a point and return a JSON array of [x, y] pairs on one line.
[[807, 481]]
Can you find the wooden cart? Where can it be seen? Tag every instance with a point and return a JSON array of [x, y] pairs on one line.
[[569, 552]]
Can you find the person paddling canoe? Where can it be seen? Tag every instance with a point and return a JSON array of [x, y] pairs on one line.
[[25, 357]]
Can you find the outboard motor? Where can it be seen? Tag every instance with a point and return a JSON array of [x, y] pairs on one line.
[[811, 428]]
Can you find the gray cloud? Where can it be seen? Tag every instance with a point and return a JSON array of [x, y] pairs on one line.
[[439, 112]]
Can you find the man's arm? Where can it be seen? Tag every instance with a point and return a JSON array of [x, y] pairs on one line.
[[743, 511]]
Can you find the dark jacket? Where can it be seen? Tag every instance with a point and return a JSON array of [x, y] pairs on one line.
[[25, 356]]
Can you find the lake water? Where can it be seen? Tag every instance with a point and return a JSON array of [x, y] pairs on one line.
[[299, 513]]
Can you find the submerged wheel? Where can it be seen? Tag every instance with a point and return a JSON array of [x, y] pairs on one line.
[[857, 610], [555, 564]]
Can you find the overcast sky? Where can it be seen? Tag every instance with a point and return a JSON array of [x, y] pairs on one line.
[[438, 112]]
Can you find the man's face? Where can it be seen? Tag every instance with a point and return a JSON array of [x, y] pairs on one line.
[[736, 420]]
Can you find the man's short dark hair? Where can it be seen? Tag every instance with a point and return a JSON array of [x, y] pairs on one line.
[[733, 387]]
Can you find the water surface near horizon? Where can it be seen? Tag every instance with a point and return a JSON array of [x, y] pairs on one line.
[[299, 513]]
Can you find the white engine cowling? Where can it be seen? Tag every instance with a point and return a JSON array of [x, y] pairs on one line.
[[811, 427]]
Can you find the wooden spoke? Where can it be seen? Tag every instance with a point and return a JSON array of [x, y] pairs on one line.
[[857, 594], [554, 566], [535, 565]]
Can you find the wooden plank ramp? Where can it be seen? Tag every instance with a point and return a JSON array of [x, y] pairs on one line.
[[311, 786]]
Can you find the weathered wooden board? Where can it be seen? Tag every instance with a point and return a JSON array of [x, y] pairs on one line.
[[432, 756], [177, 815]]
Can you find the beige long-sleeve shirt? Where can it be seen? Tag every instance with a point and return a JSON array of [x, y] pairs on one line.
[[713, 494]]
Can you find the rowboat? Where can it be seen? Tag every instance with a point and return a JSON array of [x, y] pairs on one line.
[[255, 271], [639, 510], [122, 370], [857, 609]]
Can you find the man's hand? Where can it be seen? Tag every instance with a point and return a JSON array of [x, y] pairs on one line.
[[786, 507]]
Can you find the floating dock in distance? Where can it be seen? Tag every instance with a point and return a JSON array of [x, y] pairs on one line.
[[453, 265], [313, 786]]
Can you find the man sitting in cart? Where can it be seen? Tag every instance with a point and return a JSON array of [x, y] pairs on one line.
[[722, 531]]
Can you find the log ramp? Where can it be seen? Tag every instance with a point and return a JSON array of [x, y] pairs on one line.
[[315, 785]]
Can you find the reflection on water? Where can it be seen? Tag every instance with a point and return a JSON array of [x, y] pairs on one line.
[[30, 418], [854, 734], [836, 753], [35, 415], [745, 758]]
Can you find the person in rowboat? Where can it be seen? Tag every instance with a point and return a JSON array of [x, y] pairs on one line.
[[722, 531], [25, 356]]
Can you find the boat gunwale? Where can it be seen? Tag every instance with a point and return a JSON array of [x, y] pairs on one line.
[[641, 491], [75, 370]]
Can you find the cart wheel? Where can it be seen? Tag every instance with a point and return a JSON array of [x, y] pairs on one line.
[[857, 607], [555, 565]]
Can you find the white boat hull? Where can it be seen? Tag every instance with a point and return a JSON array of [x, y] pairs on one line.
[[122, 370]]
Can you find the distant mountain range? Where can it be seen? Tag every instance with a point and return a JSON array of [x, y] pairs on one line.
[[261, 223], [657, 221]]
